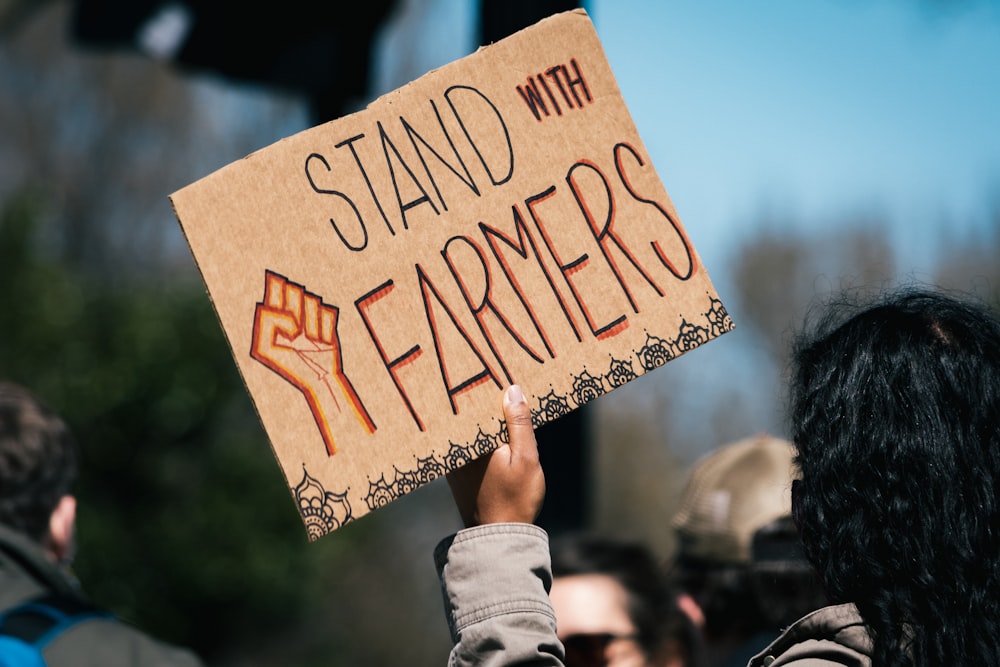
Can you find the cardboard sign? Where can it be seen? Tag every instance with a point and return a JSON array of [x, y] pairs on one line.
[[382, 277]]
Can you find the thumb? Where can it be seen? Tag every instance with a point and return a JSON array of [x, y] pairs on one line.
[[520, 431]]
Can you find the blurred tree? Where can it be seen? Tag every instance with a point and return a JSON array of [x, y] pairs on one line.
[[778, 276], [973, 264], [186, 527], [104, 139]]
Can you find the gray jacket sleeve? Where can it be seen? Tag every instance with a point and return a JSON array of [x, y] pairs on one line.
[[495, 580]]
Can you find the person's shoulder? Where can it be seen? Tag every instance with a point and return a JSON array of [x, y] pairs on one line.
[[828, 637], [110, 642]]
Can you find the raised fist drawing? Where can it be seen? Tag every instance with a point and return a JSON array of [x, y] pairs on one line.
[[295, 335]]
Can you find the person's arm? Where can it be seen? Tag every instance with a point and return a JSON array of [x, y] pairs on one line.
[[496, 574]]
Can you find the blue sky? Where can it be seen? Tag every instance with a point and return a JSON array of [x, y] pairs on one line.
[[811, 111]]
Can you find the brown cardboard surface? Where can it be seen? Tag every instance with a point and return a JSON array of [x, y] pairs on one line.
[[381, 277]]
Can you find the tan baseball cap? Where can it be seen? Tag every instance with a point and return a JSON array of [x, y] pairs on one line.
[[730, 494]]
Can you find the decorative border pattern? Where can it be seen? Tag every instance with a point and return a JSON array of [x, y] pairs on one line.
[[324, 511]]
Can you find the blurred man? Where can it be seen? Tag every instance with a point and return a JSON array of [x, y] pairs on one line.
[[615, 605], [739, 556], [38, 466]]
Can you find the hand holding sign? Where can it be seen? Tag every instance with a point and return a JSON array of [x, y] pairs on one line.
[[507, 485]]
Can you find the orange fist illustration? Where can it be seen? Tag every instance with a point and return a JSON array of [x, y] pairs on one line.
[[295, 335]]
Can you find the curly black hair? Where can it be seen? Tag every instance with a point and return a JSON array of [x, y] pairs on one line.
[[895, 413]]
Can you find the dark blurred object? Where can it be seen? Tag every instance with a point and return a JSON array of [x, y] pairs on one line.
[[319, 50], [564, 444], [564, 450], [13, 13], [501, 18]]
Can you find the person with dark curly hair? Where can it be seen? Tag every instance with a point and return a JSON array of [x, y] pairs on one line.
[[895, 413]]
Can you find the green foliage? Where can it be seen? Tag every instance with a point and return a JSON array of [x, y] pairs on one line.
[[186, 526]]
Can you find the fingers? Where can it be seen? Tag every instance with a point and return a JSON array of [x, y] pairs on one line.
[[508, 484]]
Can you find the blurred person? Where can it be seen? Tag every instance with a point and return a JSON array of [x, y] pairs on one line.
[[738, 553], [38, 467], [615, 606], [895, 414]]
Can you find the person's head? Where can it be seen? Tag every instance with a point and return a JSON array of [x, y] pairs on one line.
[[38, 463], [615, 606], [895, 412], [738, 553]]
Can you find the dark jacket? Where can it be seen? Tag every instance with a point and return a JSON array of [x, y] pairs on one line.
[[26, 573], [830, 637]]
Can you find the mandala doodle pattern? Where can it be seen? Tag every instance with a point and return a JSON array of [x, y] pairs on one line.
[[429, 469], [690, 337], [552, 406], [382, 492], [655, 352], [457, 456], [586, 388], [484, 444], [322, 511], [405, 482], [620, 372], [718, 318], [379, 493], [503, 437], [325, 511]]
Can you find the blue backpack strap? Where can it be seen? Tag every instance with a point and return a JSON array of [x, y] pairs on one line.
[[39, 620]]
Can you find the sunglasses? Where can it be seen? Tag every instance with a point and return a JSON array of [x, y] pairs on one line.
[[590, 650]]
